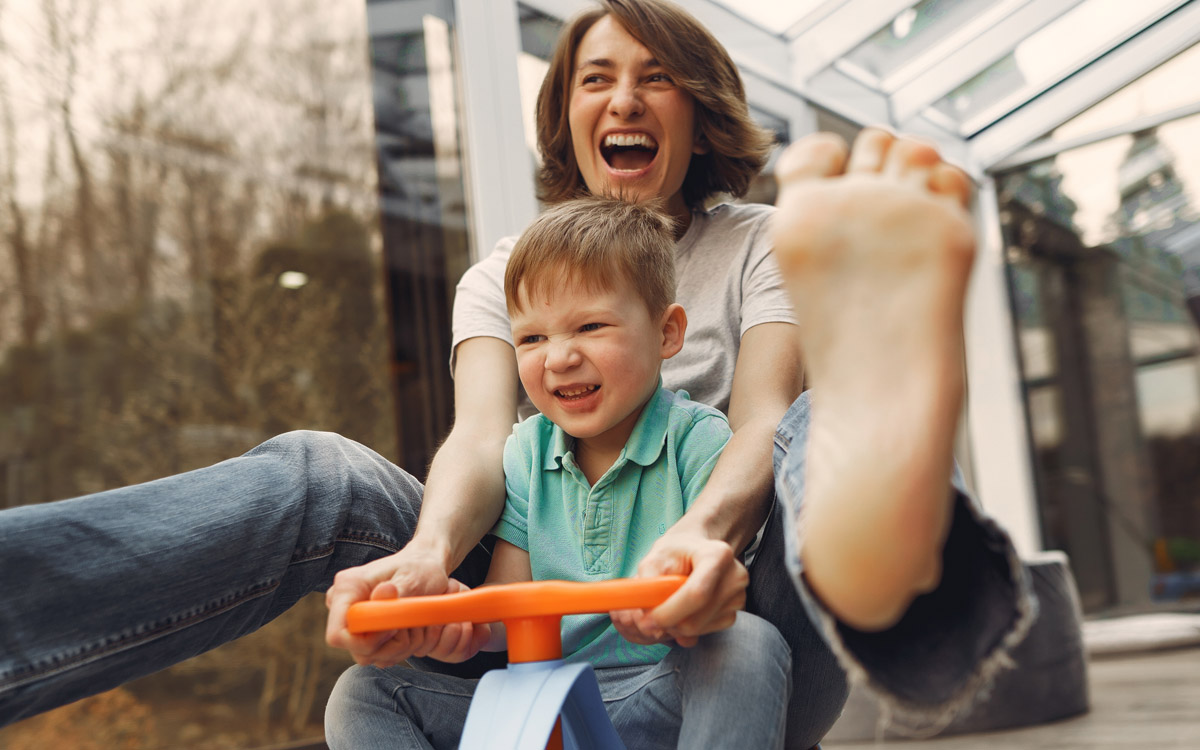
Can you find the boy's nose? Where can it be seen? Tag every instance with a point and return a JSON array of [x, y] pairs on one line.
[[561, 355]]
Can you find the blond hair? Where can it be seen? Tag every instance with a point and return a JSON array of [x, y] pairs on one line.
[[699, 65], [597, 242]]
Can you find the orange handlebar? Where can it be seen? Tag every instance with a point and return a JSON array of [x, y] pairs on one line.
[[511, 601]]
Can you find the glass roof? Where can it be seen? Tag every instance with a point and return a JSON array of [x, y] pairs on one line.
[[967, 69], [776, 16], [1047, 56]]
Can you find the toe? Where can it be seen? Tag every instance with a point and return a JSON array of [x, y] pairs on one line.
[[814, 156], [952, 182], [871, 149], [912, 161]]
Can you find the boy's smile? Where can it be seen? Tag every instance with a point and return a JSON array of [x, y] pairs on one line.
[[590, 359]]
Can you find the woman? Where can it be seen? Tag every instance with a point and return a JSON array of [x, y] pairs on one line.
[[232, 546]]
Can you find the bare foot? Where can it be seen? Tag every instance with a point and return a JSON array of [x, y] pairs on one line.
[[876, 248]]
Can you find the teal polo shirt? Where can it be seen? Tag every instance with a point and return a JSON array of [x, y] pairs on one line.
[[577, 532]]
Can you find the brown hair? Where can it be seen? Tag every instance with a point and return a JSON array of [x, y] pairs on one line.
[[597, 242], [699, 65]]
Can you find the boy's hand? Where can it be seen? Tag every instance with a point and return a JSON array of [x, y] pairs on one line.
[[707, 602], [409, 572], [457, 641]]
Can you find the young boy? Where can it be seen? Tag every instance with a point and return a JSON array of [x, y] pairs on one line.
[[609, 464]]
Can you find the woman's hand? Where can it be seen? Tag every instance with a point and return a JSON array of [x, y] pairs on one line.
[[409, 572], [464, 495], [707, 602]]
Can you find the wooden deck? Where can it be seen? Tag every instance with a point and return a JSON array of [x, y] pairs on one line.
[[1147, 700]]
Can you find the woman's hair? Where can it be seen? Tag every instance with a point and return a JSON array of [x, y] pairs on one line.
[[699, 65], [598, 242]]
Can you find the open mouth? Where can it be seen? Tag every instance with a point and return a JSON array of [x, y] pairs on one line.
[[628, 152], [576, 393]]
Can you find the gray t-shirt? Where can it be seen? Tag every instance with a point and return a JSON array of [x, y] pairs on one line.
[[726, 279]]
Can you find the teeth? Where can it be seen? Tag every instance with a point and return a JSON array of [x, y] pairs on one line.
[[577, 391], [630, 139]]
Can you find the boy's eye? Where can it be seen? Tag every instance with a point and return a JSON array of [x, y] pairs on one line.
[[533, 338], [591, 326]]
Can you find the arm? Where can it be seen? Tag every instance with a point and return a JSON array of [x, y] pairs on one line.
[[464, 493], [463, 497], [706, 542]]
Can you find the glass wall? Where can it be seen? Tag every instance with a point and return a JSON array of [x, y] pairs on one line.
[[1104, 261], [209, 236]]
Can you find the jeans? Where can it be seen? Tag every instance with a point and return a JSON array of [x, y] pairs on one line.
[[951, 642], [730, 690], [102, 589]]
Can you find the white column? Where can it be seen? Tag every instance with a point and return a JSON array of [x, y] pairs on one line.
[[995, 410], [501, 196]]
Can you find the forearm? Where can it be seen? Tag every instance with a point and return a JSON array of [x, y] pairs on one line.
[[735, 502], [464, 495]]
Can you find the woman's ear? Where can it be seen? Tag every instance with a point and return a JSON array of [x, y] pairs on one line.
[[674, 325], [700, 144]]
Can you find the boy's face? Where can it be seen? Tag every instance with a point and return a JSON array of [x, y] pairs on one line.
[[590, 360]]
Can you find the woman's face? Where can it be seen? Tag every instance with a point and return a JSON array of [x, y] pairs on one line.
[[633, 130]]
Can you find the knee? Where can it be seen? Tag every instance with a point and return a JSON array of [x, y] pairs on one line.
[[355, 691], [336, 469], [304, 446], [751, 647]]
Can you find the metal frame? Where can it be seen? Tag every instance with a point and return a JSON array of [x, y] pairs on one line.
[[931, 77], [1046, 149], [996, 422], [1156, 45], [499, 176], [839, 31], [1009, 102]]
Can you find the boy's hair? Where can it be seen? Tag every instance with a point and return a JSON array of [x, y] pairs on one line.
[[598, 242], [699, 65]]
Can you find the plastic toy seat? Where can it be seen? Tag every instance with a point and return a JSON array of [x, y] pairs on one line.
[[539, 701]]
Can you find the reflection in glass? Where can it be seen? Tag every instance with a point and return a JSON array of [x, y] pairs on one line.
[[1155, 93], [1104, 253], [1045, 57], [913, 33], [191, 262]]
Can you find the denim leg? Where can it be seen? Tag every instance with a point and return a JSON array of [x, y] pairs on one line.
[[105, 588], [948, 646], [819, 687], [397, 708], [729, 690], [735, 686]]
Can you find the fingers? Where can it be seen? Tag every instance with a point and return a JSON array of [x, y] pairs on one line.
[[460, 641], [402, 574], [710, 598], [636, 626], [349, 586]]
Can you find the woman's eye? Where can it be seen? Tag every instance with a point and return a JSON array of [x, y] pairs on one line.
[[588, 79], [660, 78]]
